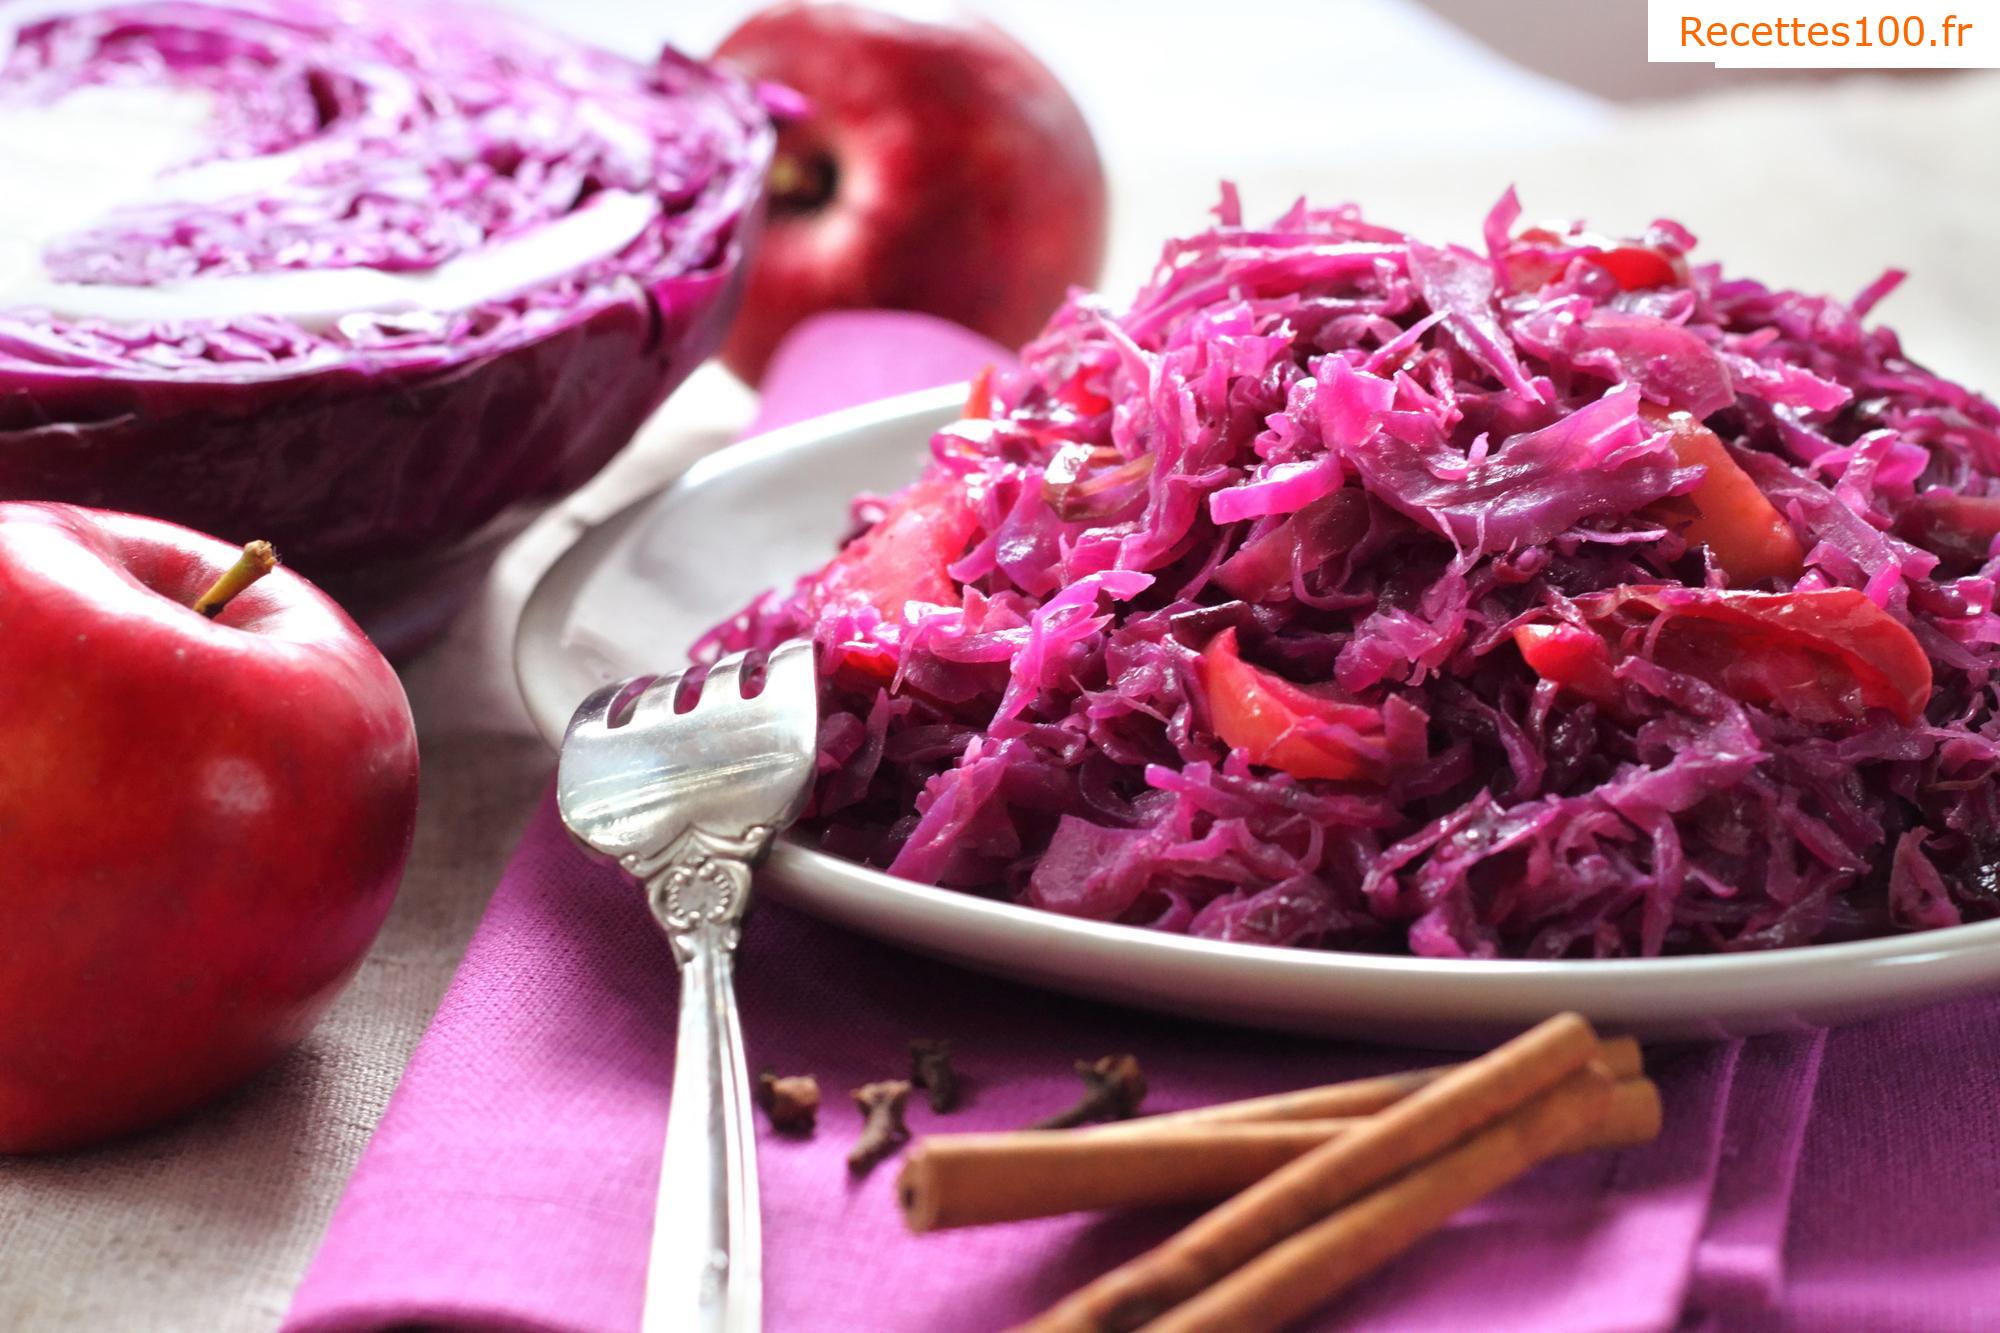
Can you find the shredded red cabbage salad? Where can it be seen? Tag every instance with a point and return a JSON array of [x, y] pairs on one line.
[[1566, 600]]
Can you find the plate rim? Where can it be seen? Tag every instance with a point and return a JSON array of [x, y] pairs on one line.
[[792, 858]]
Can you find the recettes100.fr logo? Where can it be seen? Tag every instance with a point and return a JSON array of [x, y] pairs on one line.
[[1820, 34]]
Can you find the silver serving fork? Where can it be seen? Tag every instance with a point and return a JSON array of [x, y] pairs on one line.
[[687, 802]]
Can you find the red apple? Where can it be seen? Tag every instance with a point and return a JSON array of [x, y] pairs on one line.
[[202, 821], [938, 167]]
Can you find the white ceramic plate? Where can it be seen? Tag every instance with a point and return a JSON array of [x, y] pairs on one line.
[[632, 594]]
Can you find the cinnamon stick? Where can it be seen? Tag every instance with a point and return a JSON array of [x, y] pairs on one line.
[[960, 1180], [1620, 1057], [1291, 1278], [1305, 1190]]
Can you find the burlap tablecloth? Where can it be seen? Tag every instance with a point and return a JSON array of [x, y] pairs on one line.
[[208, 1225]]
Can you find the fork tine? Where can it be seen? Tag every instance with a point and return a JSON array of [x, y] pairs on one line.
[[724, 682], [592, 711], [655, 704], [596, 711], [789, 674]]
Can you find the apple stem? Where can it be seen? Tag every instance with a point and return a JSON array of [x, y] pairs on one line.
[[257, 560], [786, 177], [799, 184]]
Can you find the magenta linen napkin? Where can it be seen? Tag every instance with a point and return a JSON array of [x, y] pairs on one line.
[[1895, 1224], [511, 1181], [1739, 1264]]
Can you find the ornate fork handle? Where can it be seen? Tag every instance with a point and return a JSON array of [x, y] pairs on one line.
[[706, 1272], [702, 879]]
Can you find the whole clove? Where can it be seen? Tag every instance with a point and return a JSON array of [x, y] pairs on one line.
[[1113, 1087], [882, 1129], [930, 1069], [791, 1103]]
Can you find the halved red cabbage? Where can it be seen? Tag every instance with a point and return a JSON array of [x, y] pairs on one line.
[[352, 276], [1432, 518]]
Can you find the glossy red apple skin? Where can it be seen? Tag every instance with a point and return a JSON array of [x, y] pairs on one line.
[[963, 180], [202, 823]]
